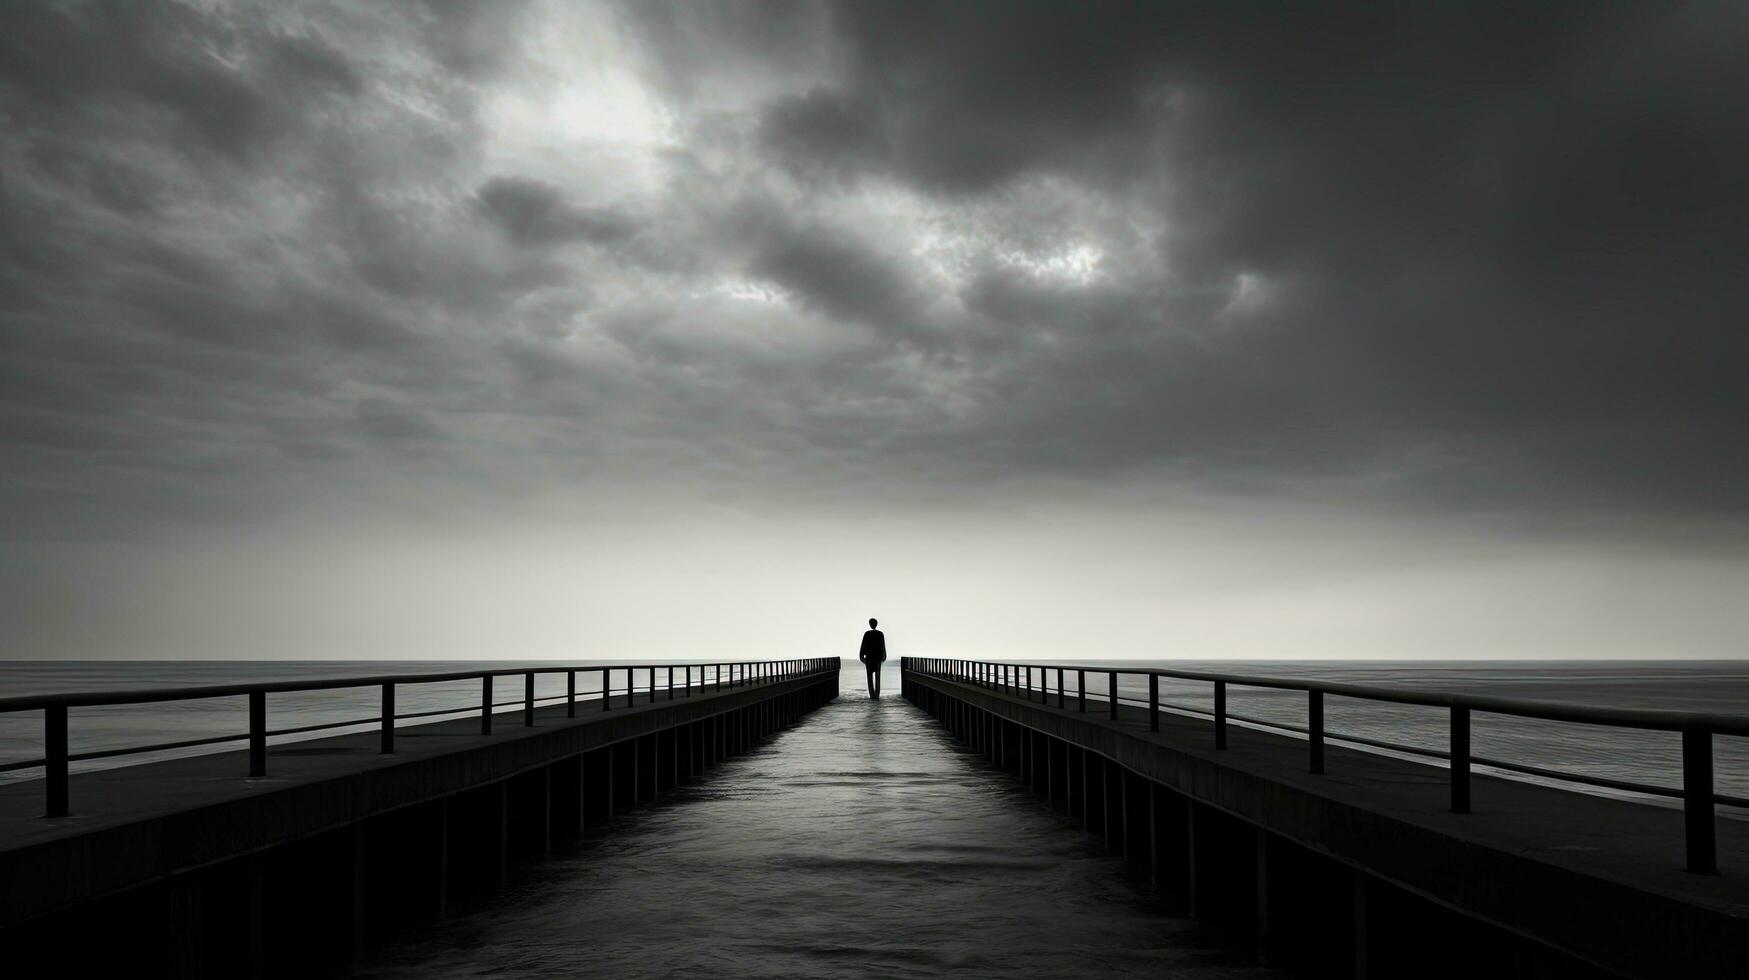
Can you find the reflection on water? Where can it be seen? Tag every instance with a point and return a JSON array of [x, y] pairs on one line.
[[861, 842]]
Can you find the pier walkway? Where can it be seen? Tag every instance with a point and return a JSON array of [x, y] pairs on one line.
[[864, 842]]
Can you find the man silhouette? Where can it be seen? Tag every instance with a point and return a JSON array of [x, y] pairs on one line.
[[874, 653]]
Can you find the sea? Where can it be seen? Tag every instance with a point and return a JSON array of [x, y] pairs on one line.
[[865, 841]]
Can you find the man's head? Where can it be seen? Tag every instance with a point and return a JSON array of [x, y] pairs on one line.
[[872, 624]]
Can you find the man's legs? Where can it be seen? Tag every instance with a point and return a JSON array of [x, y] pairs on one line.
[[874, 681]]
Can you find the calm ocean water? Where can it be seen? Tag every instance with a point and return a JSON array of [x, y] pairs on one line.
[[864, 840]]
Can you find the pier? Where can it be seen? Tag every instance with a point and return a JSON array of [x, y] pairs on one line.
[[1317, 851], [285, 858], [1344, 861]]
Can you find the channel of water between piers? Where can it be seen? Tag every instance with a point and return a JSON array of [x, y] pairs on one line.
[[863, 841]]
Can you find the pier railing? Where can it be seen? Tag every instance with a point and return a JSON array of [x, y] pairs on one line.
[[661, 682], [1032, 681]]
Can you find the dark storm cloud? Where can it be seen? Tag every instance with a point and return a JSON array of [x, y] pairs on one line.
[[534, 213], [169, 60], [1508, 233], [1438, 254], [835, 271]]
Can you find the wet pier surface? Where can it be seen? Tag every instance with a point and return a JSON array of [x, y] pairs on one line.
[[864, 841]]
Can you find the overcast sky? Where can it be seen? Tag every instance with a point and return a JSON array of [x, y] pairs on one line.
[[706, 330]]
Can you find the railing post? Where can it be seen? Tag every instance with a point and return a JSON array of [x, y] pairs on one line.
[[1315, 730], [689, 679], [1460, 759], [1059, 688], [606, 687], [570, 694], [670, 682], [55, 760], [257, 733], [485, 704], [1220, 714], [1111, 692], [1153, 702], [652, 685], [1697, 800], [528, 700], [388, 740], [1081, 683]]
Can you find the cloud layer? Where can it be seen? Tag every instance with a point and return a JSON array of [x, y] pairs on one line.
[[355, 262]]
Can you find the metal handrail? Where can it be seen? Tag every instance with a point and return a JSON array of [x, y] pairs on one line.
[[1602, 782], [741, 673], [1697, 728]]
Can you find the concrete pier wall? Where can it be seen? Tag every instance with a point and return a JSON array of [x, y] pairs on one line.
[[1365, 872], [182, 869]]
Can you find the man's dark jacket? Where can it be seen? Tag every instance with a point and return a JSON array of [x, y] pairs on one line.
[[874, 648]]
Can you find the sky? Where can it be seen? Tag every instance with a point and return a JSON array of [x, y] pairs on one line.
[[709, 330]]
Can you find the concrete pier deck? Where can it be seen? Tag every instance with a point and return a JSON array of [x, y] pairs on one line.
[[1600, 880]]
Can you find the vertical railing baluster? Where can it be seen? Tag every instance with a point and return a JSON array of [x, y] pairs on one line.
[[570, 694], [1460, 759], [670, 682], [1697, 800], [388, 719], [1220, 714], [1153, 702], [606, 687], [528, 700], [485, 704], [257, 733], [1081, 683], [1315, 731], [55, 803], [1111, 692], [1059, 688]]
